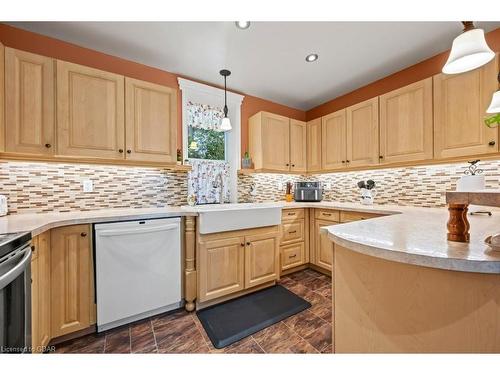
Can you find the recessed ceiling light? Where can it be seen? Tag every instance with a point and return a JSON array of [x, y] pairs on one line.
[[242, 24], [312, 57]]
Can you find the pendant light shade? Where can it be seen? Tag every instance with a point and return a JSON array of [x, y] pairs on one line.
[[225, 124], [495, 103], [469, 51]]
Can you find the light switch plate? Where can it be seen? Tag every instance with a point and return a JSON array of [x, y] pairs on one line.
[[88, 186]]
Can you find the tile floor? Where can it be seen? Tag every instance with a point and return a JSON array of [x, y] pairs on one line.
[[180, 332]]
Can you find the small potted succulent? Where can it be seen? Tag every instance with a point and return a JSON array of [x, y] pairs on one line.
[[367, 190], [246, 161]]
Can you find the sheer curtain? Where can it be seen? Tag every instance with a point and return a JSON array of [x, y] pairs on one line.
[[202, 179]]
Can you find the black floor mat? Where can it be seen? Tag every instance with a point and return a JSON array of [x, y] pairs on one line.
[[231, 321]]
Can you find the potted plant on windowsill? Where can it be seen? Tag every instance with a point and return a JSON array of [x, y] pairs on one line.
[[246, 161]]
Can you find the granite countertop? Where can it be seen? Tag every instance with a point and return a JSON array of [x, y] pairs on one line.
[[418, 236], [41, 222]]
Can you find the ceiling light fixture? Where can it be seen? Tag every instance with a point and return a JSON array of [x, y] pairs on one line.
[[494, 106], [242, 24], [225, 124], [469, 51], [312, 57]]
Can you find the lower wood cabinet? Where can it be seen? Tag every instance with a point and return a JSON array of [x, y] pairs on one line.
[[234, 261], [323, 256], [293, 255], [72, 282], [40, 292], [294, 242], [221, 269]]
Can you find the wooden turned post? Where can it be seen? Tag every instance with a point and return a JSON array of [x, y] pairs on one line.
[[190, 262], [458, 225]]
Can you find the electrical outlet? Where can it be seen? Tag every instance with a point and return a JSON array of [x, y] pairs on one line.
[[88, 186]]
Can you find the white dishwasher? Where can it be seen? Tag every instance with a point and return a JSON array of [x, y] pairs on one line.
[[138, 270]]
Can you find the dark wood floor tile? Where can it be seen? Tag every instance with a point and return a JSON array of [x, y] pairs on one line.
[[302, 278], [318, 284], [321, 338], [118, 340], [287, 282], [328, 350], [303, 347], [277, 338], [189, 340], [325, 292], [245, 346], [142, 339], [323, 310], [90, 344], [315, 298], [300, 290], [168, 317], [312, 272], [304, 323]]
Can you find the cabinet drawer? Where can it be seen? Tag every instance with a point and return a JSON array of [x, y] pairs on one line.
[[292, 231], [330, 215], [347, 216], [292, 214], [292, 255]]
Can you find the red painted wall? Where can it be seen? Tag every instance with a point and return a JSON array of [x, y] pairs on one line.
[[414, 73], [58, 49]]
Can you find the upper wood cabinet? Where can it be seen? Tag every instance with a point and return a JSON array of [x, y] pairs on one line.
[[151, 121], [221, 266], [90, 112], [298, 146], [333, 140], [406, 123], [72, 305], [261, 259], [314, 145], [269, 141], [29, 98], [460, 102], [362, 134]]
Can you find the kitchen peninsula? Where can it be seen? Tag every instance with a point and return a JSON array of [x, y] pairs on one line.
[[400, 286]]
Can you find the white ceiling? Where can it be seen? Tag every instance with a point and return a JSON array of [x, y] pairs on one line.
[[268, 59]]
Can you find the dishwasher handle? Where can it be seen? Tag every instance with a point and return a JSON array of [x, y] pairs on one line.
[[137, 230]]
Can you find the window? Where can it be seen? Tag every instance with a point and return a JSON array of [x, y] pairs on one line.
[[205, 141]]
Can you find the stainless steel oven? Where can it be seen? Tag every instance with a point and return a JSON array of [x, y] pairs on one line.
[[15, 293]]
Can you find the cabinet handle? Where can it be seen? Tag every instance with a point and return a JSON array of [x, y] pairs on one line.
[[292, 256], [347, 161], [293, 165], [48, 145], [242, 244], [290, 214], [326, 214], [120, 151], [33, 248], [287, 164], [83, 234], [381, 157], [292, 232], [248, 243], [129, 151], [492, 143], [343, 161]]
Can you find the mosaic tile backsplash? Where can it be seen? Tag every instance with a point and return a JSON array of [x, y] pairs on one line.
[[41, 187], [422, 186]]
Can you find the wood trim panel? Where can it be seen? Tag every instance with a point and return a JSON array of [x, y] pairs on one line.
[[348, 216], [2, 98]]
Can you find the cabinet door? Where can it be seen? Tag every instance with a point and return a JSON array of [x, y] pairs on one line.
[[151, 121], [71, 279], [261, 259], [333, 147], [460, 102], [362, 134], [314, 145], [90, 112], [323, 256], [275, 142], [406, 123], [29, 97], [221, 267], [298, 146]]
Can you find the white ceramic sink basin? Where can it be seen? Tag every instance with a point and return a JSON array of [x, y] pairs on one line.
[[234, 216]]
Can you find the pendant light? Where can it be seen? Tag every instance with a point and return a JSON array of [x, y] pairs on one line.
[[225, 124], [469, 51], [494, 106]]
